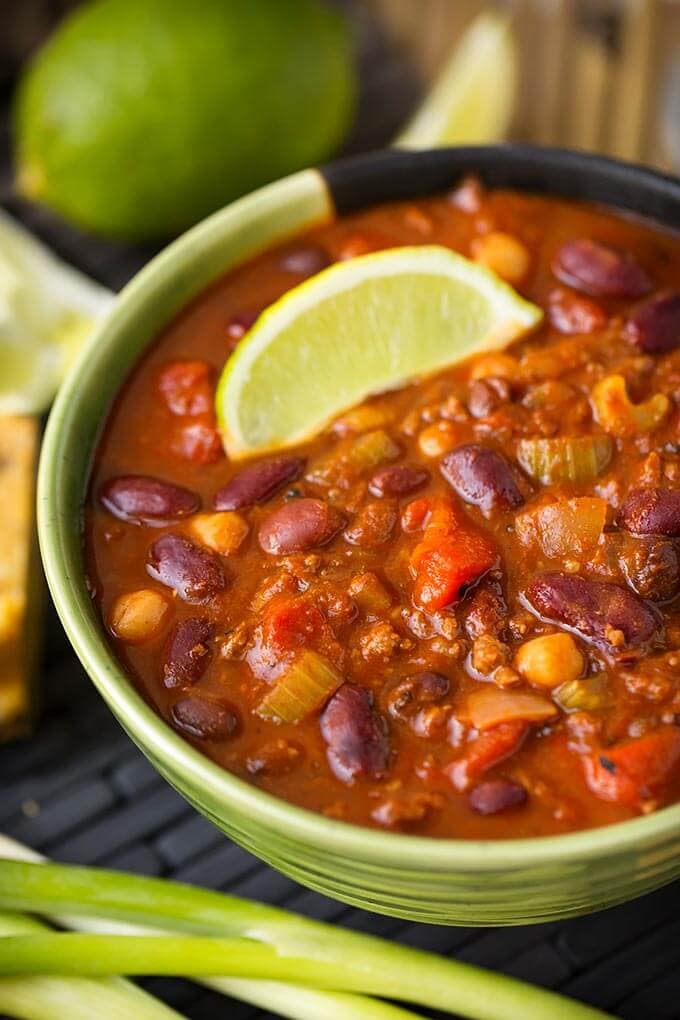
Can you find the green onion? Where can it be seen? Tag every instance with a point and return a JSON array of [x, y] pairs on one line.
[[78, 998], [304, 687], [565, 459], [253, 939]]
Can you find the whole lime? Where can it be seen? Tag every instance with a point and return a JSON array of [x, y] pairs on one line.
[[138, 117]]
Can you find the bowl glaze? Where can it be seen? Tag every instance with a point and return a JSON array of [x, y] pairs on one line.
[[443, 881]]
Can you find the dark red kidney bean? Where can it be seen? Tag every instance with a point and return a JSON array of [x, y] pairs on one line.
[[192, 571], [652, 567], [298, 526], [198, 442], [481, 477], [572, 313], [655, 326], [305, 260], [257, 482], [599, 270], [140, 499], [187, 387], [239, 324], [204, 719], [398, 480], [413, 691], [611, 617], [187, 652], [495, 795], [356, 735], [652, 512], [487, 395]]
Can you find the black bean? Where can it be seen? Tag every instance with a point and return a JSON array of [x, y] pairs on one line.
[[257, 482], [140, 499], [356, 735], [481, 477], [192, 571], [187, 652], [204, 719]]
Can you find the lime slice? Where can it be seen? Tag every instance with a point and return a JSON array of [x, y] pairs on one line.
[[362, 326], [46, 311], [473, 98]]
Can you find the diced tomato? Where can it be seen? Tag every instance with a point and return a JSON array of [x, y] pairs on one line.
[[187, 387], [490, 748], [198, 442], [450, 555], [636, 771], [288, 624]]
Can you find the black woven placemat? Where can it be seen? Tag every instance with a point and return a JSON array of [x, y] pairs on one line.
[[79, 791]]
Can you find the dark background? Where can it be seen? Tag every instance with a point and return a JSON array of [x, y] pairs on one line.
[[79, 791]]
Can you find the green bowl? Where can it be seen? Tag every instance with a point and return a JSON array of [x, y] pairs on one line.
[[444, 881]]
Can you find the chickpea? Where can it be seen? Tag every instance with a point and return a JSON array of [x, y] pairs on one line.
[[495, 366], [222, 532], [503, 254], [549, 660], [438, 439], [138, 615]]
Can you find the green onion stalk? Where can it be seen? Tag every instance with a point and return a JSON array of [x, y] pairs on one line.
[[214, 933]]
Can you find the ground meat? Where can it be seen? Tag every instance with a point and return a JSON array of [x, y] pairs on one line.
[[379, 641], [274, 758], [486, 611], [488, 654], [406, 810], [232, 644]]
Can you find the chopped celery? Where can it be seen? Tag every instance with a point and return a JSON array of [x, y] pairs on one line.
[[565, 459], [591, 694], [352, 458], [307, 683]]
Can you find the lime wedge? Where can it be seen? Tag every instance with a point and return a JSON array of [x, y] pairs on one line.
[[473, 98], [362, 326], [46, 311]]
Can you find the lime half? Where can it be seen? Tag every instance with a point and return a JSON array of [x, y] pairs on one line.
[[357, 328], [473, 98], [46, 311]]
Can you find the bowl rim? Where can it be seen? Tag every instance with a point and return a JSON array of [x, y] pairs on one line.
[[339, 186]]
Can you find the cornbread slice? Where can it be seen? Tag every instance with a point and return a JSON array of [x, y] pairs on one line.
[[19, 591]]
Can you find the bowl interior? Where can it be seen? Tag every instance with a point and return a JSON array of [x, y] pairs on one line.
[[179, 273]]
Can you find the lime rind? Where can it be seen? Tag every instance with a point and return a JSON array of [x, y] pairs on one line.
[[360, 327], [46, 311]]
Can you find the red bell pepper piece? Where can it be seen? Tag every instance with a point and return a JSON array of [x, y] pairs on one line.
[[450, 555], [490, 748], [636, 771]]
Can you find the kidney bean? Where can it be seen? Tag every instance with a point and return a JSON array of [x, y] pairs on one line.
[[655, 326], [609, 616], [416, 690], [257, 482], [198, 442], [652, 567], [398, 480], [239, 324], [298, 526], [373, 525], [193, 572], [652, 512], [495, 795], [356, 734], [140, 499], [204, 719], [599, 270], [481, 477], [187, 387], [305, 260], [486, 611], [487, 395], [187, 652], [571, 313]]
